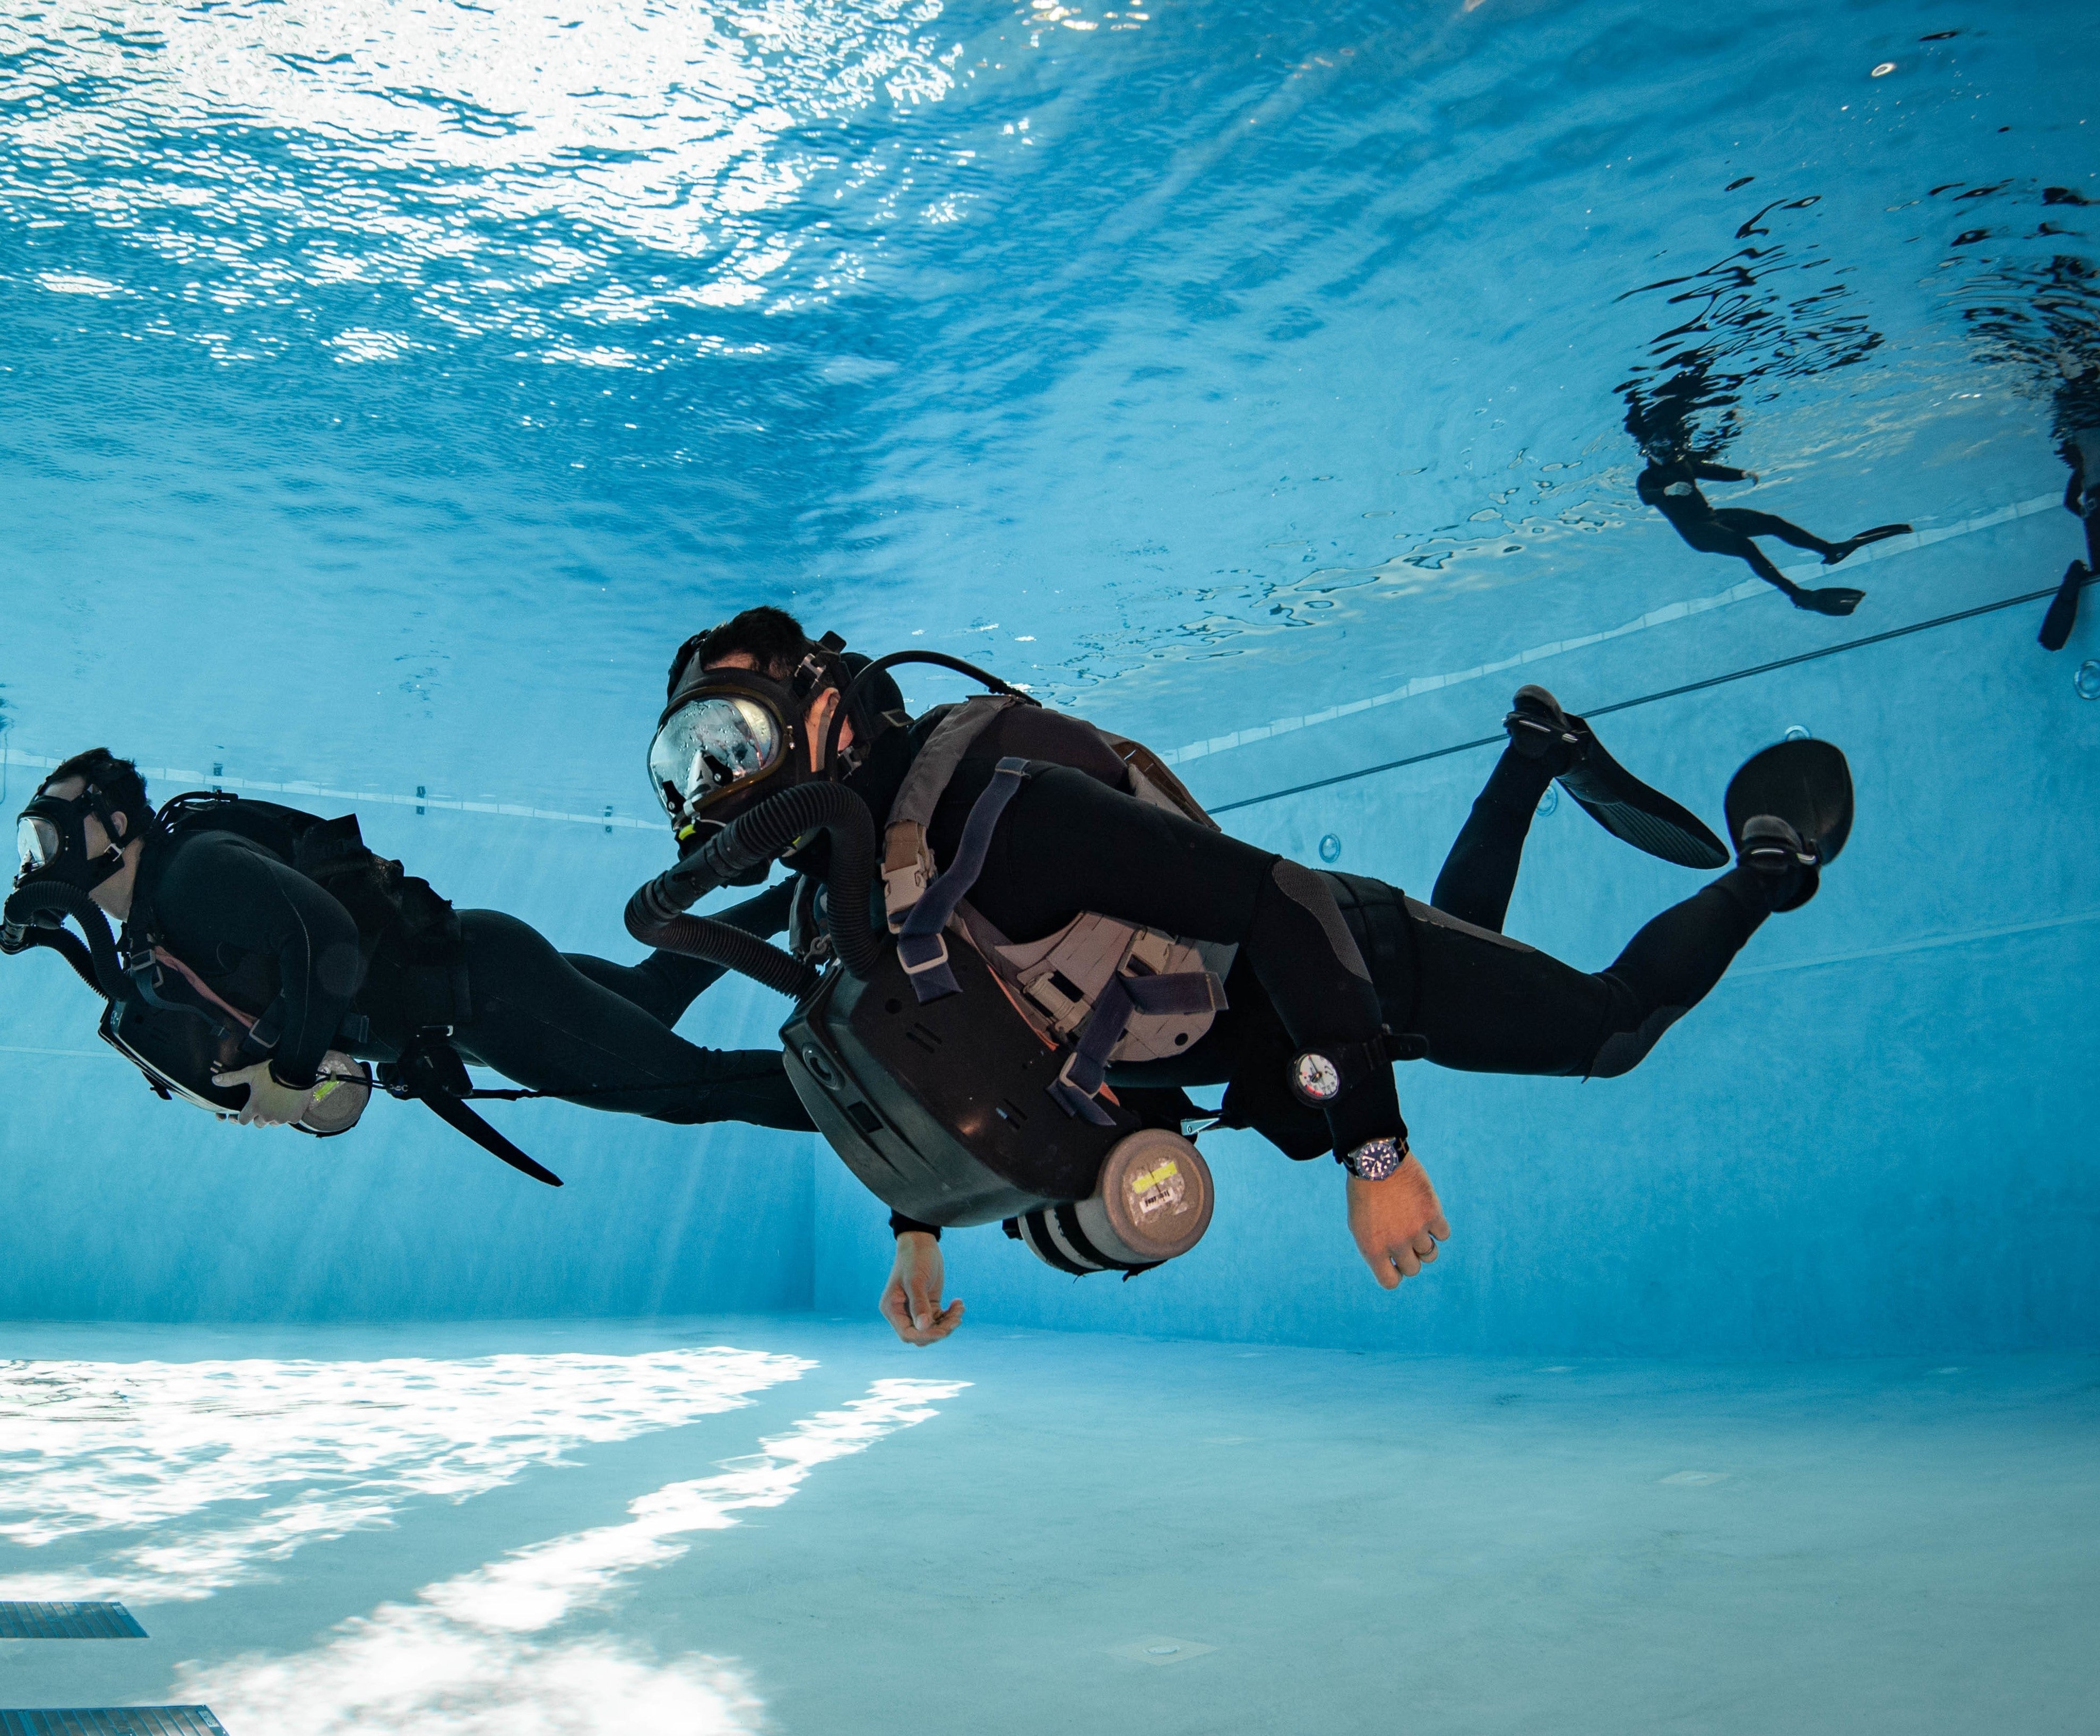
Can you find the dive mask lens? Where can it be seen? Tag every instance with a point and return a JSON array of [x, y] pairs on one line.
[[37, 841], [709, 746]]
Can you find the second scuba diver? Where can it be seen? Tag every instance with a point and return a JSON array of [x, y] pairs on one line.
[[264, 952], [1334, 977]]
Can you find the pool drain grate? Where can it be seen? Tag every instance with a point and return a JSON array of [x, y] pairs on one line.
[[68, 1621]]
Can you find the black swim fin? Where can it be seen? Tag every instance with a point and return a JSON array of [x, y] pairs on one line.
[[1833, 599], [2062, 615], [1613, 796], [1879, 533], [1789, 810]]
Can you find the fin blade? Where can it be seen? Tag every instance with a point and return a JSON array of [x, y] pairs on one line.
[[1640, 815]]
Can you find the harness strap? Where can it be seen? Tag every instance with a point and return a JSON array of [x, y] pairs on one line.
[[163, 956], [920, 946], [907, 864], [1079, 1080]]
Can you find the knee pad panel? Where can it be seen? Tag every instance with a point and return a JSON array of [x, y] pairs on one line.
[[1311, 893]]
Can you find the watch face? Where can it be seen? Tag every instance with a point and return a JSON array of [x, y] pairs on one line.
[[1375, 1158], [1315, 1078]]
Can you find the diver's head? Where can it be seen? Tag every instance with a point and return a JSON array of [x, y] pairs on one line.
[[750, 706], [86, 826]]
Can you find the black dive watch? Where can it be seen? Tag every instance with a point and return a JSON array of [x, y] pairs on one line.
[[1375, 1158]]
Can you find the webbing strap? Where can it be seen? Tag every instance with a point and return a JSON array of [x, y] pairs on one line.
[[1187, 992], [907, 864], [920, 948]]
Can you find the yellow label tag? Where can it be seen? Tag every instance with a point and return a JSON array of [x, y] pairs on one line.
[[1151, 1179]]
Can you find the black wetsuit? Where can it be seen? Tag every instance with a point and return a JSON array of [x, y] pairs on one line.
[[1671, 486], [1447, 984], [267, 940]]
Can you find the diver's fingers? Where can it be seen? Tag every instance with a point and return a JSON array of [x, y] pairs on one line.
[[1403, 1257], [1439, 1227], [1424, 1245], [924, 1298], [892, 1309]]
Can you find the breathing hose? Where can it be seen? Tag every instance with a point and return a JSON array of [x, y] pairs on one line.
[[656, 914], [96, 962]]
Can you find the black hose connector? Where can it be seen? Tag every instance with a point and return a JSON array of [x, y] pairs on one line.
[[656, 913], [38, 896]]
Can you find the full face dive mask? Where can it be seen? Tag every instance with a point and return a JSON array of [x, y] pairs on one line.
[[728, 734], [51, 838]]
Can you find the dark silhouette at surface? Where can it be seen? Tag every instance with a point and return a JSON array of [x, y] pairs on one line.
[[1671, 484], [2082, 498], [2044, 318], [1741, 328]]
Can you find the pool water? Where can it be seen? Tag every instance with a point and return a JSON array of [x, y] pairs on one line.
[[387, 390]]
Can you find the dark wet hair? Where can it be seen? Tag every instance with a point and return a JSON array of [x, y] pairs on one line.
[[118, 780], [772, 638], [776, 643]]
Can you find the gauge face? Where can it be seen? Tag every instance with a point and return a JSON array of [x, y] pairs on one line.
[[1315, 1078]]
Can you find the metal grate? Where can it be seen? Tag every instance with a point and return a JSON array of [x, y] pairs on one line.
[[68, 1621], [112, 1720]]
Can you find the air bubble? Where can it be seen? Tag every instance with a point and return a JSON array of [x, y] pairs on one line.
[[1331, 846]]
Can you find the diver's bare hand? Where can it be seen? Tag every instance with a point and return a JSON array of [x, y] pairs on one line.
[[912, 1299], [1397, 1222]]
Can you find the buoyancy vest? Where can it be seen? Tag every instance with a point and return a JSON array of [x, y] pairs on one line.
[[1114, 991]]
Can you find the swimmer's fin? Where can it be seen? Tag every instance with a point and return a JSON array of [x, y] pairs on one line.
[[1789, 811], [1879, 533], [1613, 796], [1833, 599], [2062, 615]]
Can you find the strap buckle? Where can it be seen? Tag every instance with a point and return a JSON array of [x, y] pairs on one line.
[[933, 954]]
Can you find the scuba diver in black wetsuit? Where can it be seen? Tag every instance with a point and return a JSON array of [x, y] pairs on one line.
[[1671, 484], [1328, 978], [275, 952], [2078, 417]]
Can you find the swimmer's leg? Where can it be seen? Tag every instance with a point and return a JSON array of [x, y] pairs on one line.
[[1715, 538], [1749, 523], [1479, 875], [1488, 1004]]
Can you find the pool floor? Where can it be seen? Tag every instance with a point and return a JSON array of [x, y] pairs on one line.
[[614, 1527]]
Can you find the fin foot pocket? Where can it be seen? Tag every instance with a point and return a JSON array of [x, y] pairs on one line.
[[1789, 810], [1540, 730], [1833, 600]]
